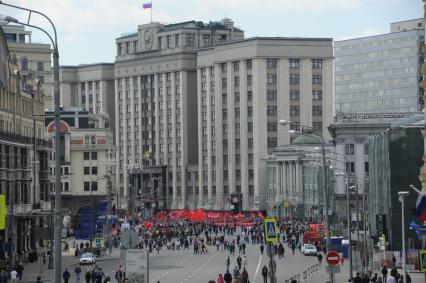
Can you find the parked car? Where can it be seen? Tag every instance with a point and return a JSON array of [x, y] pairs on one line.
[[310, 250], [87, 258], [303, 248]]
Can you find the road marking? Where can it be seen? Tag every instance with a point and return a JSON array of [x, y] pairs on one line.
[[257, 268]]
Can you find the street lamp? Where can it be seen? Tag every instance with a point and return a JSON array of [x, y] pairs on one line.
[[402, 195], [57, 215], [324, 176]]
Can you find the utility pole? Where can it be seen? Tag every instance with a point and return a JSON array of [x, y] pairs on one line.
[[357, 228], [348, 205], [327, 218], [402, 196]]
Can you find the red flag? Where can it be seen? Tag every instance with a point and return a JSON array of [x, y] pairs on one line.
[[260, 214]]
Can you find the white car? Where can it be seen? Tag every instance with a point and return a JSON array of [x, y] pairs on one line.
[[303, 248], [87, 258], [310, 250]]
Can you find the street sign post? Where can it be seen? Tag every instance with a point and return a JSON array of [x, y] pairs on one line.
[[271, 235], [333, 269], [332, 258]]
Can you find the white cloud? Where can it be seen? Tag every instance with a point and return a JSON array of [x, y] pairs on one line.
[[364, 33]]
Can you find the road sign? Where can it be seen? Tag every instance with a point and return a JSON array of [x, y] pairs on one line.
[[129, 239], [422, 259], [270, 228], [332, 258], [333, 269]]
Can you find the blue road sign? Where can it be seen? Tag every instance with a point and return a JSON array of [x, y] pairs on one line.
[[270, 228]]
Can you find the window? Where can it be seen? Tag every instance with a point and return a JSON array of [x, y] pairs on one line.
[[294, 79], [237, 128], [250, 127], [249, 96], [317, 95], [94, 170], [271, 63], [271, 95], [350, 167], [294, 95], [41, 80], [295, 126], [86, 186], [271, 79], [236, 81], [237, 144], [169, 41], [316, 63], [177, 40], [272, 126], [272, 110], [40, 66], [317, 126], [24, 64], [249, 64], [237, 113], [366, 148], [272, 142], [224, 67], [86, 170], [249, 80], [206, 40], [317, 79], [224, 114], [250, 143], [224, 83], [294, 63], [366, 167], [249, 111], [94, 155], [94, 186], [317, 110], [349, 149], [225, 160], [294, 110], [86, 155], [236, 66], [237, 97], [225, 129]]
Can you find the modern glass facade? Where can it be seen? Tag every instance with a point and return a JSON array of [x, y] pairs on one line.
[[395, 162], [379, 73]]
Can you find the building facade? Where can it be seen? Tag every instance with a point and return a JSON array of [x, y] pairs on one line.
[[90, 87], [380, 73], [86, 152], [156, 104], [24, 172], [245, 88], [33, 59]]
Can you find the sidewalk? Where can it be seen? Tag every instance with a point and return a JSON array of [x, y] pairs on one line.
[[32, 270]]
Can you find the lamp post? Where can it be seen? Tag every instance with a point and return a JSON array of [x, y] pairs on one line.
[[402, 195], [324, 183], [57, 214]]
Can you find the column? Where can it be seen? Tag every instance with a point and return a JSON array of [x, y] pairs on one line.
[[78, 100], [94, 96], [184, 134], [117, 139], [305, 81], [86, 94], [132, 121], [200, 142], [157, 120], [140, 126], [174, 140], [165, 139], [283, 109], [125, 142], [102, 107], [260, 150], [243, 136], [291, 179], [298, 187], [231, 127], [327, 97], [219, 136], [210, 137]]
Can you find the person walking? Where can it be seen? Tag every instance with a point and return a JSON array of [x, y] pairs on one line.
[[20, 270], [13, 276], [87, 276], [66, 275], [384, 273], [392, 277], [319, 257], [262, 248], [220, 278], [244, 276], [357, 278], [38, 279], [77, 272], [44, 258], [265, 274], [244, 262], [227, 277]]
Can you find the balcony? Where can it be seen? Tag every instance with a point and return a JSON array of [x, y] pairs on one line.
[[22, 208], [46, 205], [23, 139]]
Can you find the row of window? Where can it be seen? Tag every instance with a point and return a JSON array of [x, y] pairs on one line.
[[295, 110], [350, 148], [226, 175]]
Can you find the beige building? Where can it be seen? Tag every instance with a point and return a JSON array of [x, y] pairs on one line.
[[244, 88], [24, 155], [84, 157], [33, 59], [90, 87], [156, 107]]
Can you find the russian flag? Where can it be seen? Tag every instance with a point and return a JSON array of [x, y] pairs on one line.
[[420, 204], [147, 5]]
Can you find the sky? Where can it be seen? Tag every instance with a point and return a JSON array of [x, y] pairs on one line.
[[87, 28]]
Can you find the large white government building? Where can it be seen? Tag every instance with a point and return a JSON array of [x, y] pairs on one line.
[[197, 106]]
